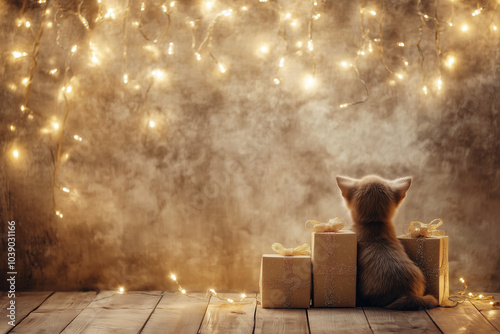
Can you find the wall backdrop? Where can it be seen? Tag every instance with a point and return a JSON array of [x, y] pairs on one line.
[[144, 139]]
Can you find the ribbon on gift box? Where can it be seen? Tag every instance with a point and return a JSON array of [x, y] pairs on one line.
[[304, 249], [333, 225], [421, 230]]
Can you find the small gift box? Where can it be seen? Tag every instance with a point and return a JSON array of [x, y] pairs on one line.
[[334, 263], [427, 247], [285, 278]]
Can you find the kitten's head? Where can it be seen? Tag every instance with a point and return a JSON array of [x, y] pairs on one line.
[[373, 198]]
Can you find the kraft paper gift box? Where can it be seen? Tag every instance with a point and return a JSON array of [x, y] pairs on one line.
[[430, 254], [334, 263], [285, 281]]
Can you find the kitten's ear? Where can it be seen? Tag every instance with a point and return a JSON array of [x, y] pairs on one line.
[[346, 185], [400, 187]]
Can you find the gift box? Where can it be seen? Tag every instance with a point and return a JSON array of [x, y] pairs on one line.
[[285, 281], [430, 254], [334, 265]]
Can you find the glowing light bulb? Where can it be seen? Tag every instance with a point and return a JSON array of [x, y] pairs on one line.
[[55, 125], [69, 89], [49, 24], [152, 124], [462, 280], [192, 23], [480, 296], [172, 3], [23, 108], [213, 291], [401, 44], [53, 71], [15, 153], [198, 56], [310, 45], [288, 15], [77, 138], [243, 295], [299, 44], [74, 48], [345, 64], [276, 81], [25, 81], [183, 291], [439, 83], [361, 53], [345, 105], [264, 49], [282, 62], [171, 48], [94, 59], [465, 27], [164, 7], [470, 294], [27, 24], [58, 213], [294, 23], [491, 303], [121, 289], [399, 75], [450, 61], [12, 128], [315, 3], [494, 27], [66, 190], [222, 69], [135, 23], [373, 12], [209, 4], [125, 78], [173, 277], [244, 8], [262, 0], [309, 82], [425, 90], [476, 12], [18, 54], [230, 300], [406, 63], [111, 13], [316, 16], [143, 6], [227, 12], [158, 74]]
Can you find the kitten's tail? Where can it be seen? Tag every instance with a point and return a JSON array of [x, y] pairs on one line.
[[413, 302]]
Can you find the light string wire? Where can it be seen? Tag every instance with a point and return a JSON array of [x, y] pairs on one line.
[[364, 37], [462, 296]]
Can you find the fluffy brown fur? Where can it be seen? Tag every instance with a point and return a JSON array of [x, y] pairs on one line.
[[386, 276]]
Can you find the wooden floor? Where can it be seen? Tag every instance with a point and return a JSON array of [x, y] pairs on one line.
[[154, 312]]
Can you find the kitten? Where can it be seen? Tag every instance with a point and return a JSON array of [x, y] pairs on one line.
[[386, 275]]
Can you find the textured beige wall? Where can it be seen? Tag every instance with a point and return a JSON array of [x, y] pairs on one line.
[[236, 163]]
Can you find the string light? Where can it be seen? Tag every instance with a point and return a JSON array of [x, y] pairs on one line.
[[462, 296], [222, 69], [17, 54], [121, 290], [59, 214], [450, 61], [170, 48], [125, 78], [74, 48], [211, 293]]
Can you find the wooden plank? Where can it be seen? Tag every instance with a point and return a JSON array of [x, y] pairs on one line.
[[177, 313], [464, 318], [268, 320], [382, 320], [25, 303], [338, 320], [225, 317], [111, 312], [55, 313], [491, 313]]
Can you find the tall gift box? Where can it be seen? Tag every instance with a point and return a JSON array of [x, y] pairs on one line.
[[285, 281], [334, 263], [428, 249]]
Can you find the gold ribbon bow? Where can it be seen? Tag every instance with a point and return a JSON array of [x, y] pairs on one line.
[[422, 230], [299, 250], [333, 225]]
